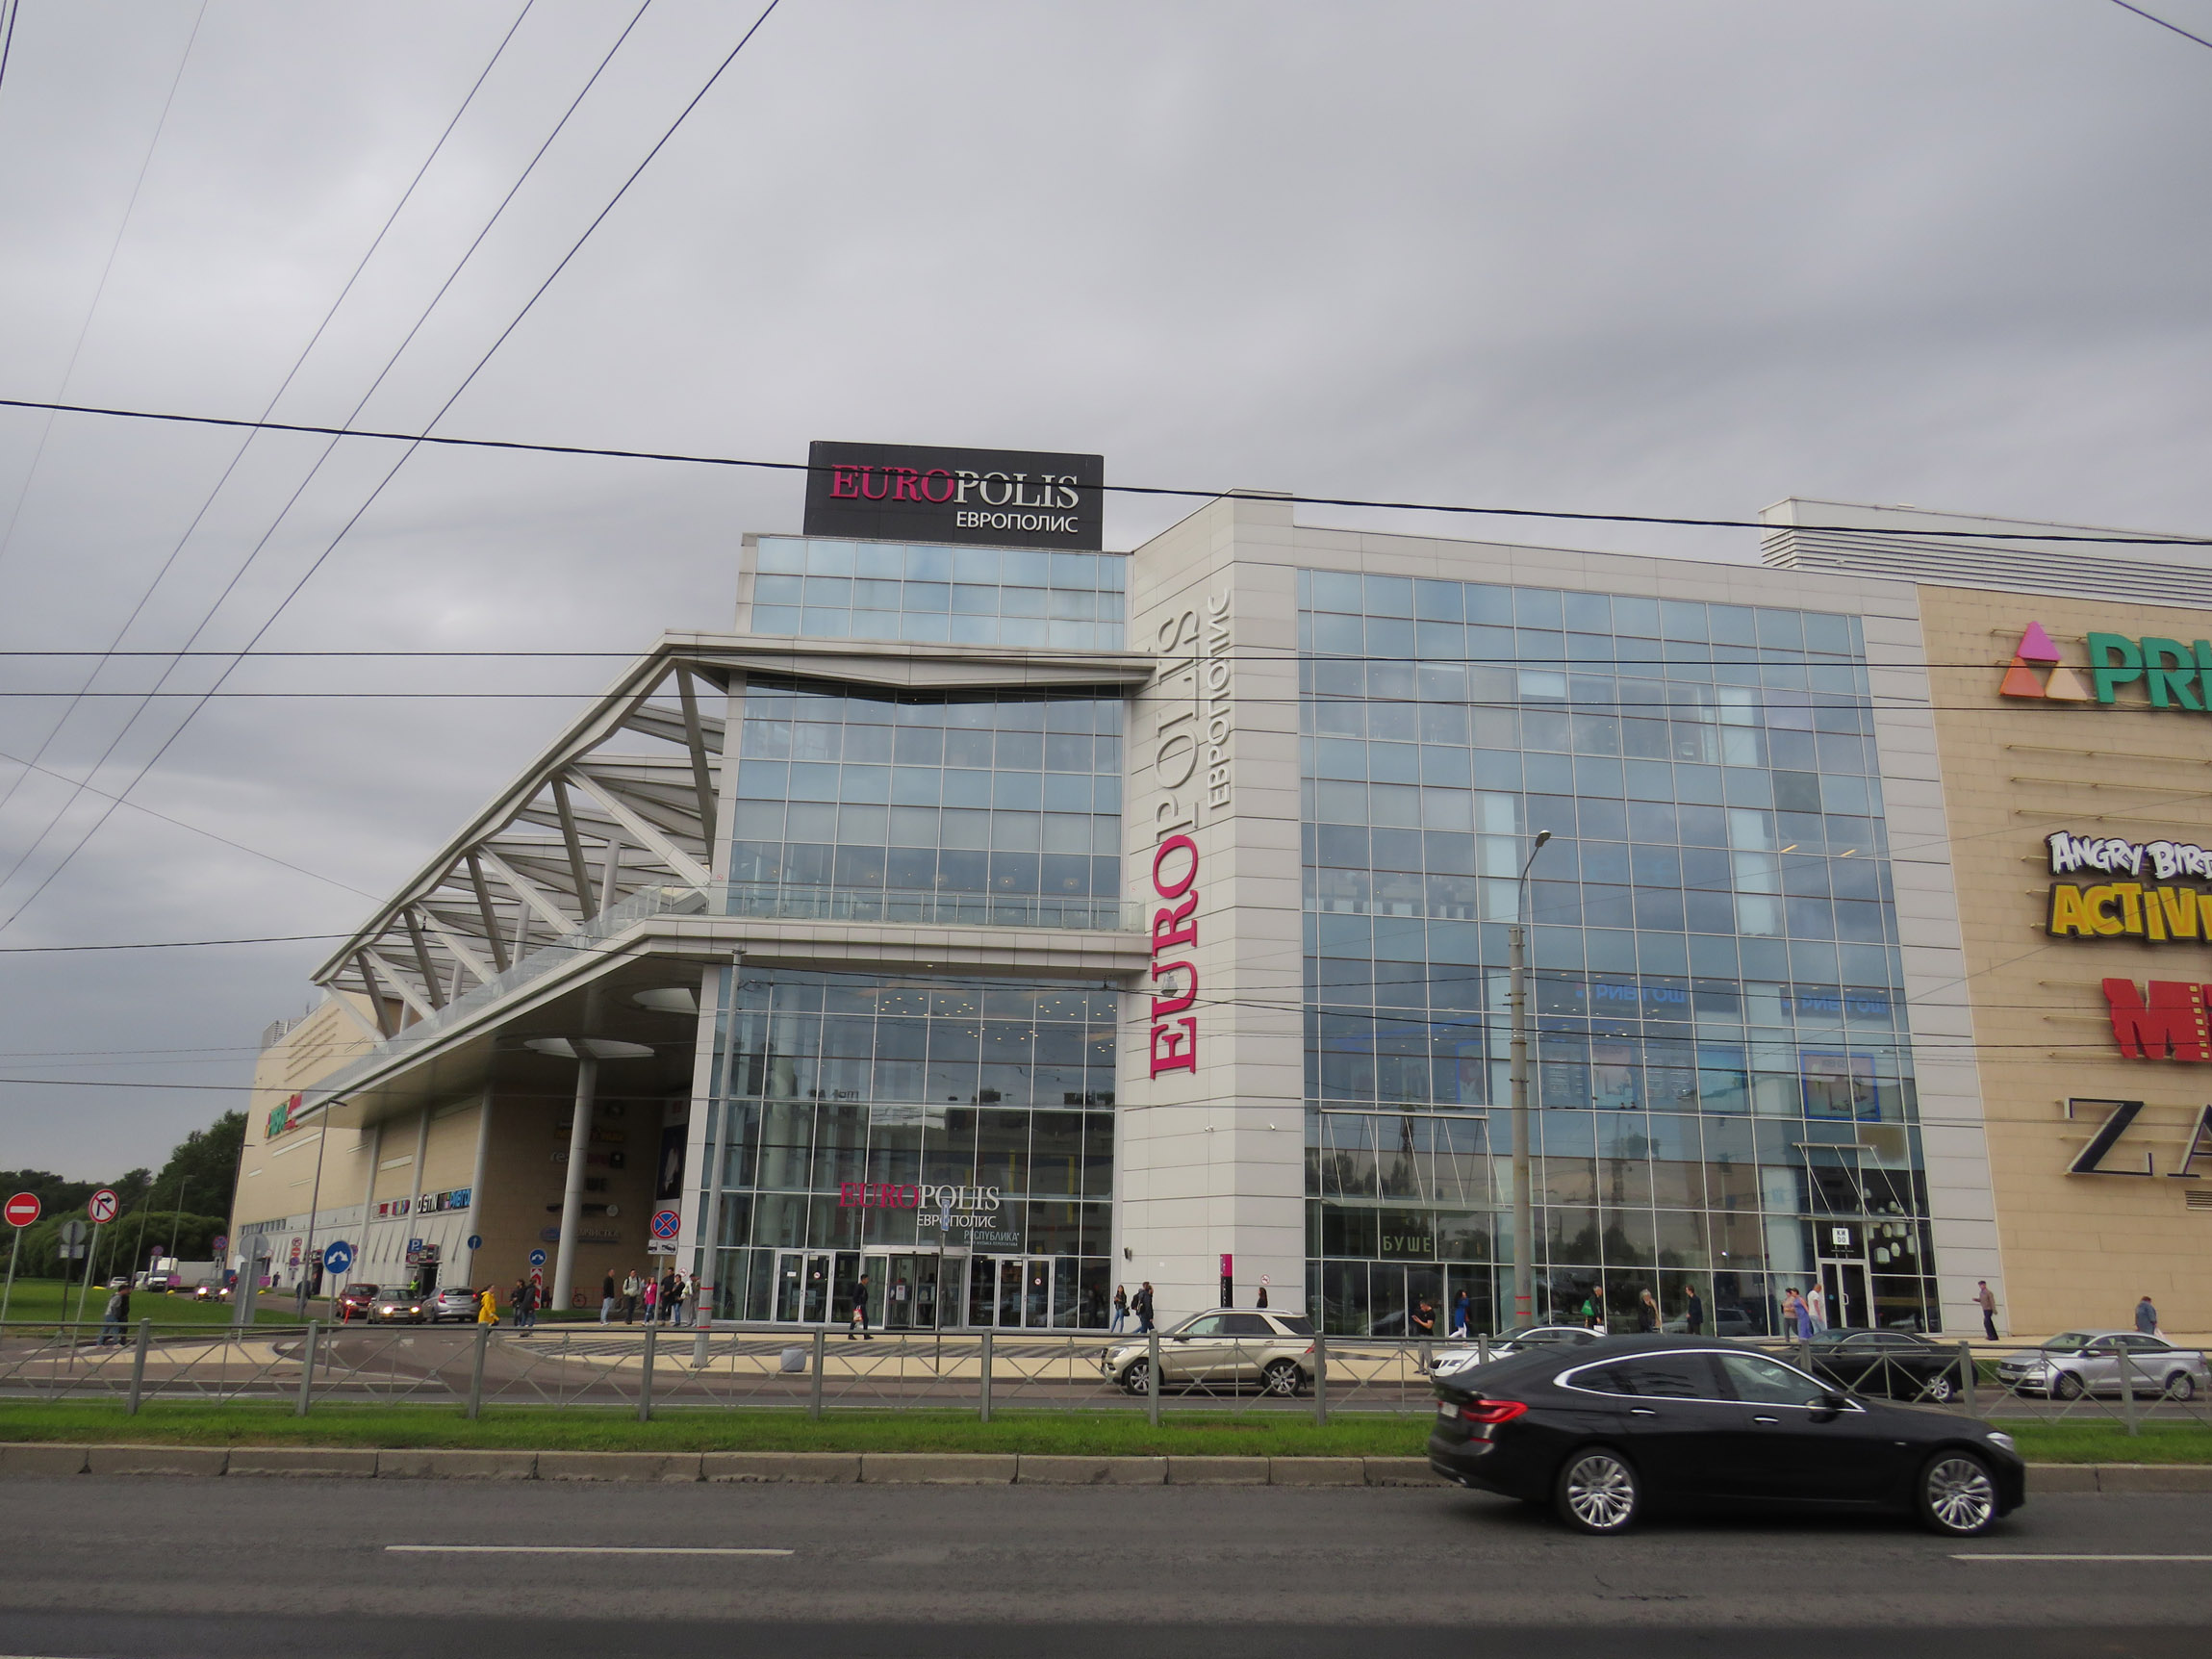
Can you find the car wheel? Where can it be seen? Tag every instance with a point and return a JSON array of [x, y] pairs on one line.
[[1135, 1376], [2180, 1386], [2068, 1387], [1283, 1377], [1598, 1491], [1941, 1389], [1957, 1496]]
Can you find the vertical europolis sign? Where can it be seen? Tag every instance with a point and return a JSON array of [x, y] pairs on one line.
[[992, 497]]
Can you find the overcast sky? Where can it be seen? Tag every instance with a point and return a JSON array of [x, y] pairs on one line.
[[1599, 255]]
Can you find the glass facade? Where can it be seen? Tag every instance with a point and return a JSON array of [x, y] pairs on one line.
[[1014, 795], [1721, 1058], [952, 1139], [939, 596]]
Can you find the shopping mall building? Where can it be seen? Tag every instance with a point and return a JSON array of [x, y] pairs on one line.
[[1007, 920]]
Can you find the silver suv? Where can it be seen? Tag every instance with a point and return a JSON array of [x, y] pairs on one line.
[[2077, 1362], [450, 1302], [1223, 1348]]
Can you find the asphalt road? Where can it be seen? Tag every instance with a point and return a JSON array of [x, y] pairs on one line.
[[243, 1567]]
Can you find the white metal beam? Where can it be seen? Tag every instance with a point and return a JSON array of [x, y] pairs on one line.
[[408, 994], [647, 836], [528, 891]]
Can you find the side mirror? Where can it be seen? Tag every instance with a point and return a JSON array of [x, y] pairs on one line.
[[1829, 1405]]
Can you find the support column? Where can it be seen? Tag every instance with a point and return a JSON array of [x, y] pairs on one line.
[[368, 1192], [477, 1179], [572, 1193]]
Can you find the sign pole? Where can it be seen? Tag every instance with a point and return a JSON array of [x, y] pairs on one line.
[[9, 1294]]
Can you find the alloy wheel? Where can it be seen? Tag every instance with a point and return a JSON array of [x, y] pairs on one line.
[[1958, 1495], [1133, 1380], [1281, 1377], [1939, 1391], [2068, 1387], [2180, 1386], [1598, 1492]]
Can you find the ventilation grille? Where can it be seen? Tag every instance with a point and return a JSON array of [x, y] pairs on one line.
[[2201, 1198], [2015, 568]]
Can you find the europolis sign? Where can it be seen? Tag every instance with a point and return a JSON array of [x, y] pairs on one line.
[[2165, 672], [919, 492]]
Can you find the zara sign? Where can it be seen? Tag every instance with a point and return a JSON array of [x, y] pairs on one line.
[[918, 492]]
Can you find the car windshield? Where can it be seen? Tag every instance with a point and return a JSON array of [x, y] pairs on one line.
[[2065, 1341]]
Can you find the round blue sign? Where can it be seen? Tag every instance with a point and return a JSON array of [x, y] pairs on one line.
[[537, 1258], [336, 1257], [476, 1241]]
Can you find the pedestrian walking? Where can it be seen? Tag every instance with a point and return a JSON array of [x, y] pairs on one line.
[[114, 1317], [856, 1322], [1692, 1310], [672, 1296], [1805, 1324], [526, 1305], [2147, 1316], [1816, 1304], [1120, 1308], [607, 1297], [1985, 1299], [1424, 1326], [487, 1307], [1143, 1306], [1460, 1310], [1647, 1313], [1262, 1301], [652, 1297], [630, 1290]]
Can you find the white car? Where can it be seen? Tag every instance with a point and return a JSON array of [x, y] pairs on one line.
[[1223, 1348], [1520, 1340]]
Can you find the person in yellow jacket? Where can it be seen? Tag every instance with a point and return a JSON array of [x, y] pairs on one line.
[[487, 1307]]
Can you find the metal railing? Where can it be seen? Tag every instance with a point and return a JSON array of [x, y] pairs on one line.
[[815, 1371], [784, 902]]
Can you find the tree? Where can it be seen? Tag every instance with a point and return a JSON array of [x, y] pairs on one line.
[[203, 1168]]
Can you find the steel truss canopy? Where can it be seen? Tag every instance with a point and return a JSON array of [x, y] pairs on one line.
[[626, 800]]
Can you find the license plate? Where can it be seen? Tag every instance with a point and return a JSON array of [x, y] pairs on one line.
[[1445, 1409]]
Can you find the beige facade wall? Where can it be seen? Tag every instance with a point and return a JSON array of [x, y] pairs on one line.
[[2077, 1249], [277, 1184]]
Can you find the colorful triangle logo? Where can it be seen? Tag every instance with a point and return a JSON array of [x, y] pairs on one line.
[[2037, 649]]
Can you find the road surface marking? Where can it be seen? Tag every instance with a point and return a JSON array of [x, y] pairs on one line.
[[570, 1549], [2011, 1557]]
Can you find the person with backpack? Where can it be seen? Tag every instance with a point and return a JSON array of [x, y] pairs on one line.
[[1143, 1306], [630, 1291]]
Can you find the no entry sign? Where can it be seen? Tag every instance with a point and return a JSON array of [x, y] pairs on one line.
[[22, 1210], [103, 1206]]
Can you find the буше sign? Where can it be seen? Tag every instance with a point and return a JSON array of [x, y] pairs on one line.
[[918, 492]]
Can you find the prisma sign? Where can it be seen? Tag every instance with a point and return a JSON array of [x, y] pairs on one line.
[[2167, 673], [919, 492]]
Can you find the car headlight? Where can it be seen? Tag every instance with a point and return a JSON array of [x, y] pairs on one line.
[[2003, 1439]]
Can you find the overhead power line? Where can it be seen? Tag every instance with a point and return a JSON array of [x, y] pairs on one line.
[[238, 457], [2162, 22], [170, 944], [681, 458], [466, 381]]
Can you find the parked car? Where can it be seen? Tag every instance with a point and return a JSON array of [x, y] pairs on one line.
[[1723, 1321], [2077, 1362], [1520, 1340], [1223, 1349], [396, 1307], [355, 1300], [1633, 1424], [1895, 1364], [449, 1302]]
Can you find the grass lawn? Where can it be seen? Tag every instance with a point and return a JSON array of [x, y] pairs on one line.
[[1092, 1434], [39, 1301]]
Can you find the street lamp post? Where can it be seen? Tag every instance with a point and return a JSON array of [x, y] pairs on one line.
[[1518, 1001]]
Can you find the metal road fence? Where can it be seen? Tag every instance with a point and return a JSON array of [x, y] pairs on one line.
[[662, 1369]]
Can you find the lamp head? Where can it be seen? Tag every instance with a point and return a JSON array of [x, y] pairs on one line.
[[1542, 835]]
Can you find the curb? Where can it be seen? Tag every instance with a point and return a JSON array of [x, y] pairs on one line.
[[36, 1459]]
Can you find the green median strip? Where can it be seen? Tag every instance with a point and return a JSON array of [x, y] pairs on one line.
[[1068, 1434]]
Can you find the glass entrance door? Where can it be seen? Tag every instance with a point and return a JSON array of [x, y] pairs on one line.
[[801, 1287], [1021, 1293], [1844, 1289], [903, 1289]]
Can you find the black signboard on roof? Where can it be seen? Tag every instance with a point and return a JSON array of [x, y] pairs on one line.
[[920, 493]]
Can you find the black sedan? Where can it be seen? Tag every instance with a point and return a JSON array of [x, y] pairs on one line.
[[1632, 1423], [1896, 1365]]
